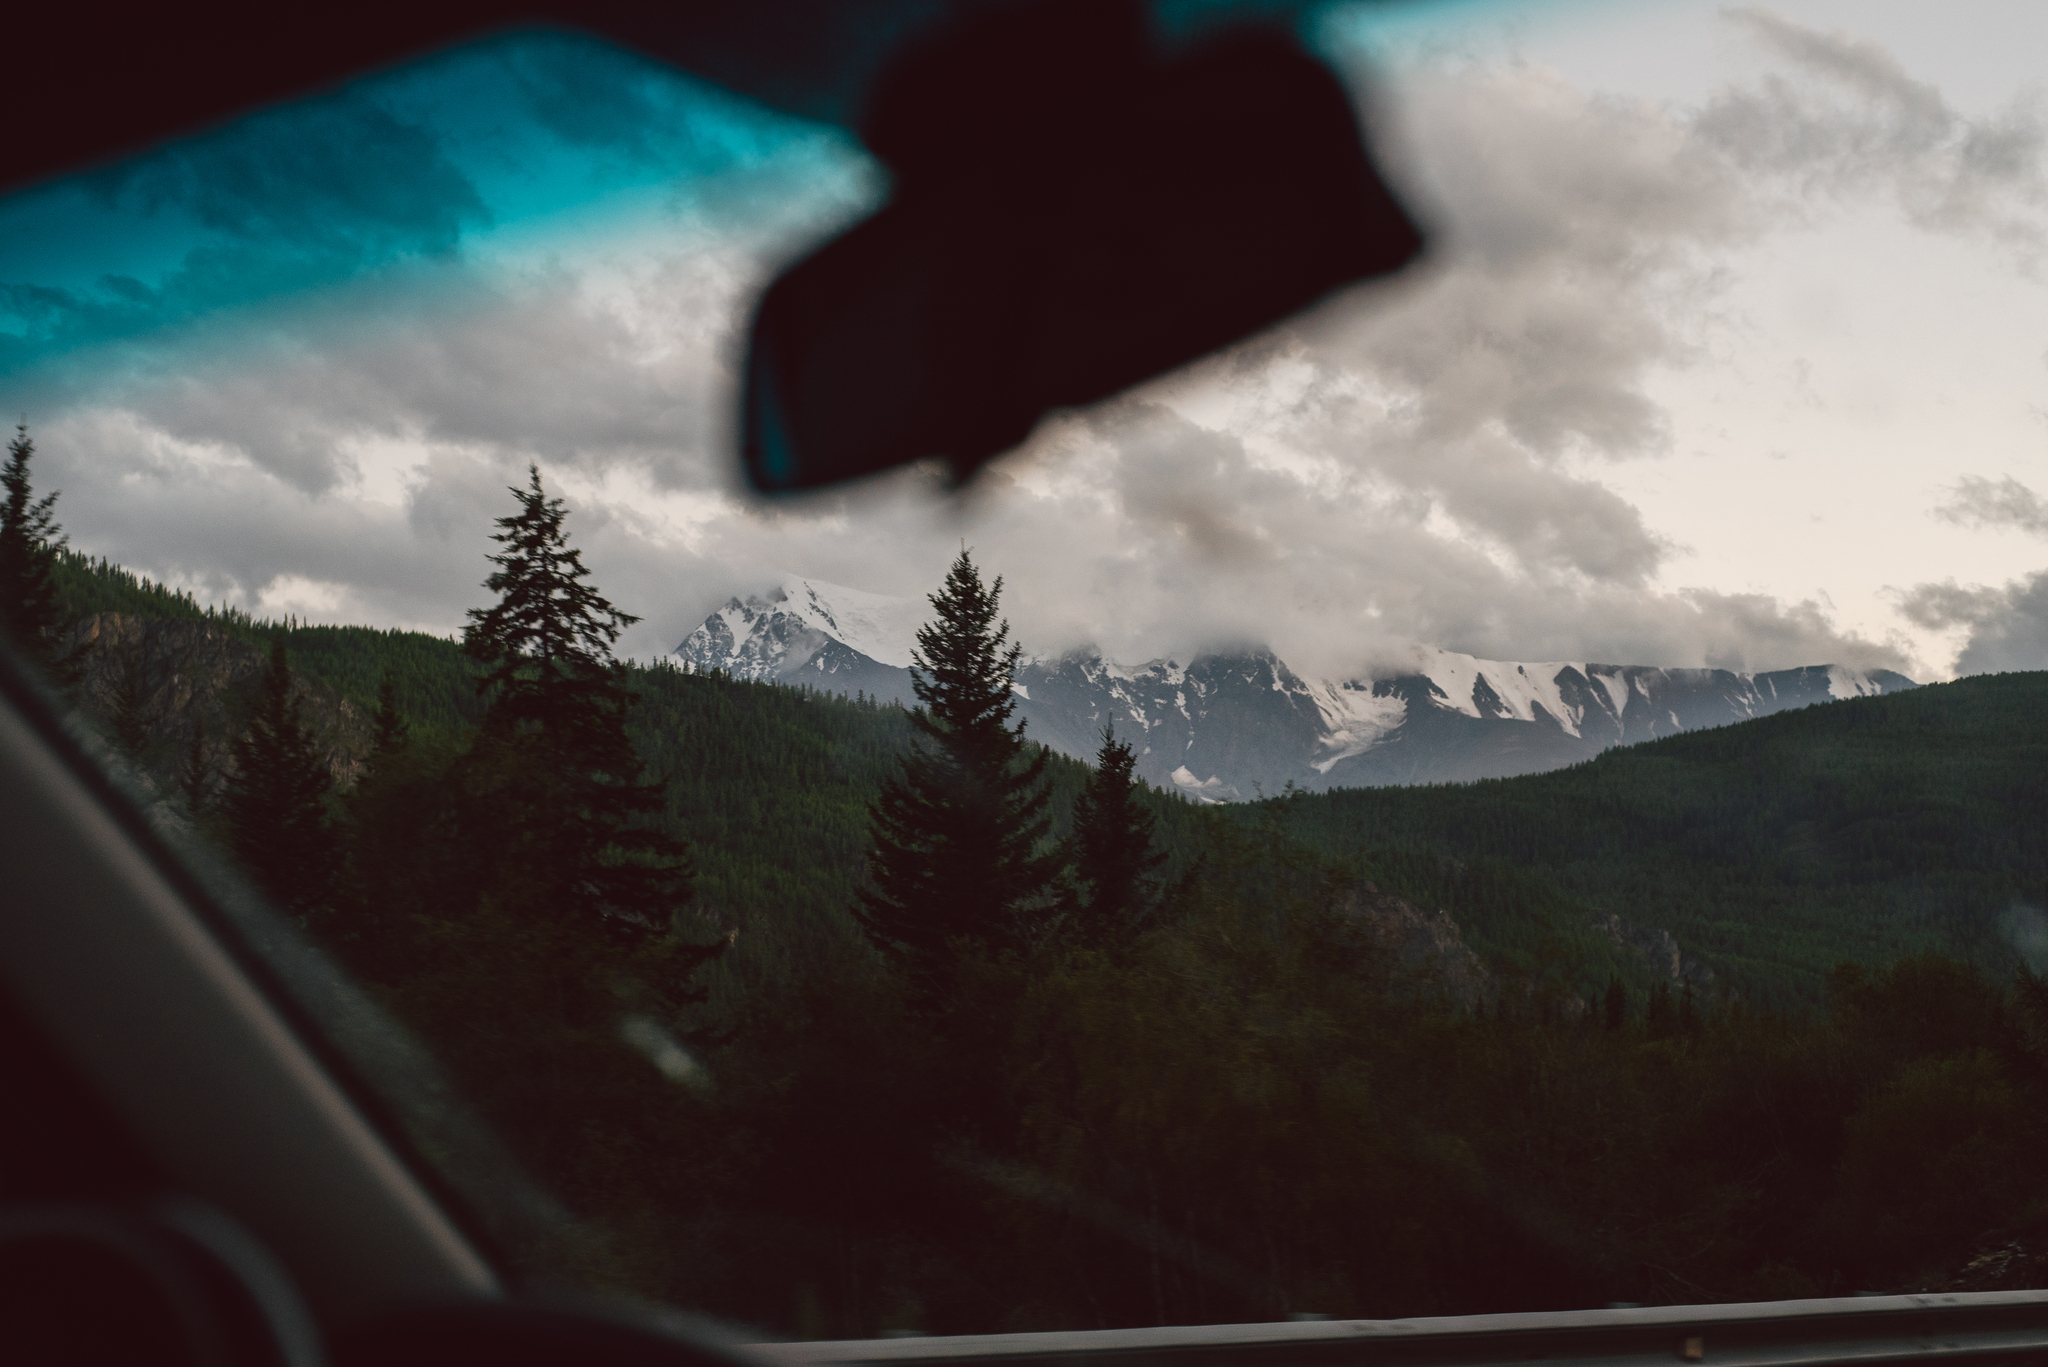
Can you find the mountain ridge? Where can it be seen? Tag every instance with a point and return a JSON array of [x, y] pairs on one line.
[[1228, 726]]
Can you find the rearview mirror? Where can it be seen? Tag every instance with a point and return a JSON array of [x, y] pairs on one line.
[[1073, 213]]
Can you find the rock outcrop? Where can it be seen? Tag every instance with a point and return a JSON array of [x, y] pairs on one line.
[[182, 691], [1423, 942]]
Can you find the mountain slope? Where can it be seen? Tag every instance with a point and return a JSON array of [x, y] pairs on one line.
[[1774, 849], [1227, 727]]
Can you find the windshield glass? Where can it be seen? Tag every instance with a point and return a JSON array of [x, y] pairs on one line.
[[1346, 829]]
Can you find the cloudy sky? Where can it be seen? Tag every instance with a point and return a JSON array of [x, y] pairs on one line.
[[1732, 349]]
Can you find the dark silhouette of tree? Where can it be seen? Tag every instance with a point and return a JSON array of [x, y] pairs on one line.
[[30, 538], [195, 783], [275, 803], [1113, 849], [2030, 1017], [1660, 1017], [1617, 1004], [390, 723], [574, 817], [128, 722], [956, 832]]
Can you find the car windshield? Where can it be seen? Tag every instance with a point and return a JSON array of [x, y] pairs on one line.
[[1515, 788]]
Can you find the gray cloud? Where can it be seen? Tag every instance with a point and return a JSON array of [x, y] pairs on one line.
[[438, 354], [1864, 124], [1980, 502], [1569, 225], [2008, 625]]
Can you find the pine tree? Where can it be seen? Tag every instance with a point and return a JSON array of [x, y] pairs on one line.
[[1617, 1004], [1113, 853], [582, 824], [128, 722], [275, 803], [956, 833], [389, 723], [194, 780], [1660, 1017], [30, 611]]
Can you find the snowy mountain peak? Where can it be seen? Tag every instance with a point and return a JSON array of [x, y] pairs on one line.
[[882, 628], [1844, 682], [1502, 688], [1574, 696], [760, 637]]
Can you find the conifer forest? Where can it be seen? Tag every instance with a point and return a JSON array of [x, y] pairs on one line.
[[832, 1018]]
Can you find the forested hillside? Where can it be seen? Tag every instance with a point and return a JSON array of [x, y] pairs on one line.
[[769, 784], [436, 686], [1858, 831]]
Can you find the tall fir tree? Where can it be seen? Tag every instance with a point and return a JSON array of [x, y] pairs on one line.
[[195, 777], [30, 611], [957, 831], [275, 802], [1660, 1015], [128, 721], [1113, 852], [388, 723], [577, 818]]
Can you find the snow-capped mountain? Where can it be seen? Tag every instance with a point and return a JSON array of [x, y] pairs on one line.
[[807, 631], [1227, 726]]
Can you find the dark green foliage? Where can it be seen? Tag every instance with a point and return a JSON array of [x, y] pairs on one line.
[[554, 759], [390, 723], [1114, 857], [1198, 1128], [275, 803], [546, 643], [30, 541], [195, 781], [1863, 830], [521, 896], [1252, 1108], [957, 833], [433, 679], [1660, 1017], [86, 586], [1918, 1006], [128, 726], [2030, 1021], [772, 784]]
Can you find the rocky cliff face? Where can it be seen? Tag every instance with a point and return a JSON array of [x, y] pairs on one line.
[[1426, 945], [180, 688], [1423, 942]]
